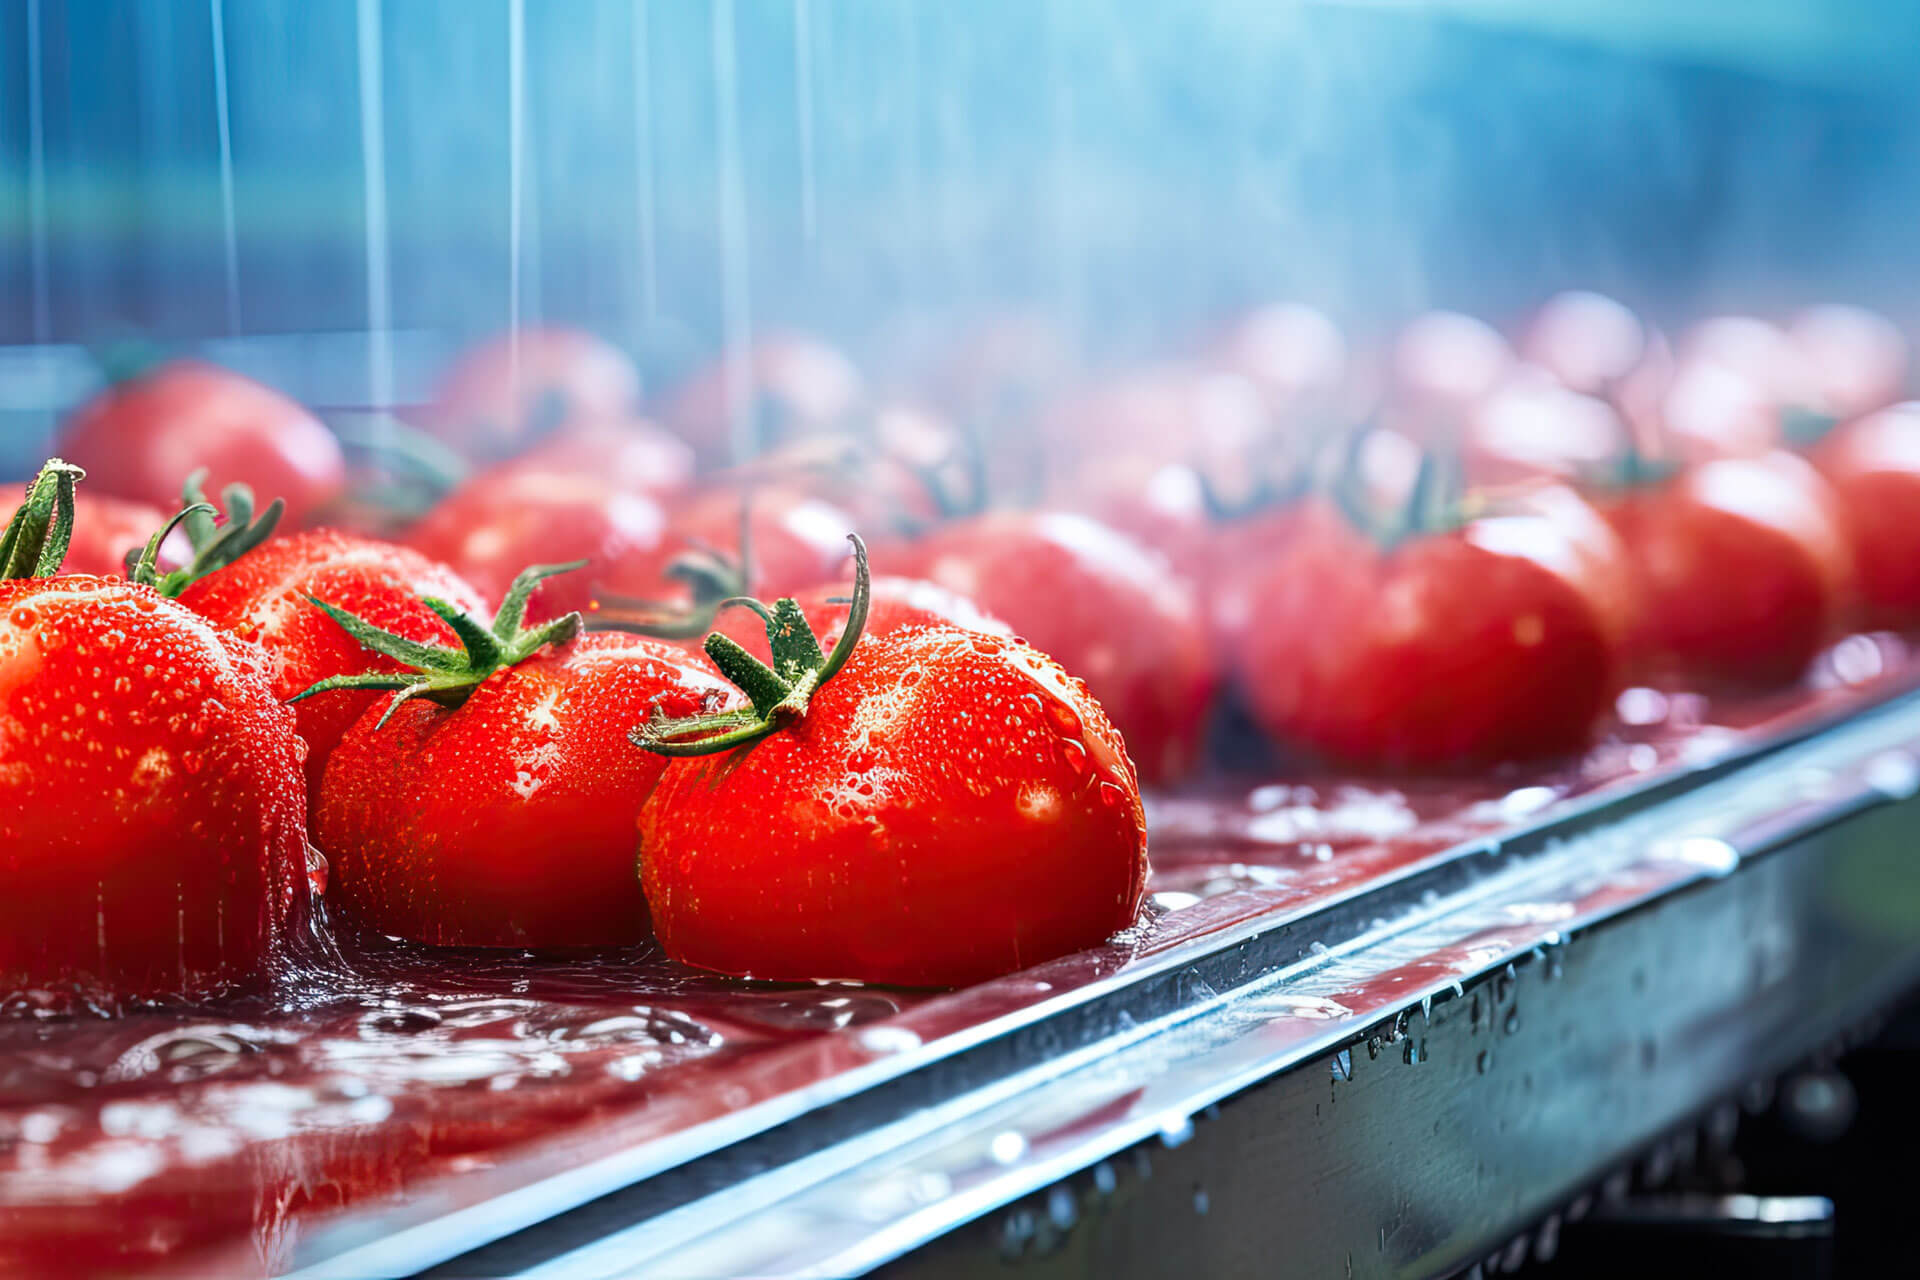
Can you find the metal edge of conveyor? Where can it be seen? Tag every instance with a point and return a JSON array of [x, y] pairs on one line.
[[677, 1190]]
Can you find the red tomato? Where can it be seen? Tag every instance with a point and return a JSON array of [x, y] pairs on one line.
[[507, 821], [1237, 555], [265, 596], [1741, 567], [152, 818], [911, 470], [1587, 341], [1293, 353], [947, 807], [1215, 421], [142, 438], [796, 541], [1533, 426], [1873, 466], [105, 529], [1162, 505], [995, 382], [896, 603], [1858, 358], [798, 386], [1495, 640], [505, 394], [1107, 608], [1443, 364], [634, 456], [518, 513]]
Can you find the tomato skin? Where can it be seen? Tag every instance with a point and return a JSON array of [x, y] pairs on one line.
[[800, 386], [952, 807], [564, 378], [1873, 466], [635, 456], [1106, 608], [158, 806], [895, 603], [1742, 569], [798, 541], [263, 597], [1858, 357], [142, 438], [1589, 342], [1498, 640], [519, 513], [508, 821], [105, 529]]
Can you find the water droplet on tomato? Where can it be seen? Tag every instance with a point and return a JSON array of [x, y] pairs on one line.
[[1112, 795], [24, 617]]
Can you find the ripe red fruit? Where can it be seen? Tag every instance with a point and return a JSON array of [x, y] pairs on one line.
[[492, 804], [1588, 342], [262, 589], [928, 808], [504, 395], [895, 603], [794, 540], [1741, 567], [1858, 358], [1493, 640], [520, 513], [105, 529], [794, 385], [1105, 607], [142, 438], [634, 457], [1873, 466], [152, 817]]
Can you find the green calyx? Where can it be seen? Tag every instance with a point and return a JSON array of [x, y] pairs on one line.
[[715, 579], [215, 544], [1803, 427], [1439, 499], [780, 693], [35, 541], [443, 674]]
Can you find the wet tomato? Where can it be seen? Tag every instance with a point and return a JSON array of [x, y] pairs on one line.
[[1586, 341], [794, 540], [520, 513], [105, 529], [506, 394], [1858, 358], [142, 438], [497, 809], [1495, 640], [896, 603], [632, 456], [152, 816], [1741, 567], [927, 808], [262, 588], [794, 386], [1107, 608], [1873, 466]]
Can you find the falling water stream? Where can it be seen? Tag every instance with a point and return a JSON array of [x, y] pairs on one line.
[[373, 159], [516, 165], [735, 283], [216, 12], [643, 164]]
